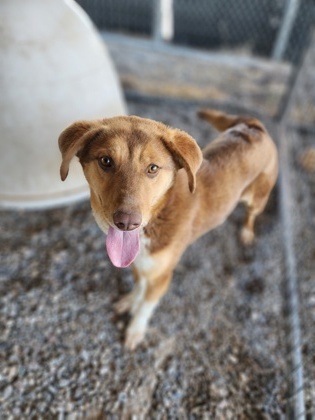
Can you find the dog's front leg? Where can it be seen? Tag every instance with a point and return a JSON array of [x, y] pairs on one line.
[[155, 288], [132, 300]]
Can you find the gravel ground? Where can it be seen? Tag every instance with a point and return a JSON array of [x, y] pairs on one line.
[[217, 344], [215, 347]]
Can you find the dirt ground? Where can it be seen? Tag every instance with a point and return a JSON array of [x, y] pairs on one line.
[[216, 347]]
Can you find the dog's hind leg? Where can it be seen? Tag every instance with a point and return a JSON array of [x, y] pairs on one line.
[[255, 196]]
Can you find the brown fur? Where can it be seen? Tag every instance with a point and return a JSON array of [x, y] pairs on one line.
[[190, 195]]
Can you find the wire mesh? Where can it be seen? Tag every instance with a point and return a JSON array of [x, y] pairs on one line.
[[131, 16], [216, 24], [301, 161], [227, 24]]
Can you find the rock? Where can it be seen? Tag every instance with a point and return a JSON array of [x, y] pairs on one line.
[[307, 160]]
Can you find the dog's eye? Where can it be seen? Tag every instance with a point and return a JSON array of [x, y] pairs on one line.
[[106, 162], [152, 169]]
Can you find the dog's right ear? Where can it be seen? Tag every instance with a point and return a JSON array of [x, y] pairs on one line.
[[72, 140]]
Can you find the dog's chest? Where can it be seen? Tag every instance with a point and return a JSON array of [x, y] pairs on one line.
[[144, 261]]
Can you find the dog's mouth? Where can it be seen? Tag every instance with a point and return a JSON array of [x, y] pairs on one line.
[[122, 246]]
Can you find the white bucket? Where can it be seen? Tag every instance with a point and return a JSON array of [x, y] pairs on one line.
[[55, 69]]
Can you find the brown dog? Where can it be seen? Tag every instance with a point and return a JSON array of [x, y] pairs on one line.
[[153, 192]]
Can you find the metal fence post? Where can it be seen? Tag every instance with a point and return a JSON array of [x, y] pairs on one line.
[[283, 36], [163, 20]]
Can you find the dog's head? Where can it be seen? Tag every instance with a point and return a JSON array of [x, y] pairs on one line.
[[129, 163]]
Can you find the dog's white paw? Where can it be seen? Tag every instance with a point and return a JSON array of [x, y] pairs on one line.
[[130, 302], [124, 304], [247, 236], [136, 330], [133, 338]]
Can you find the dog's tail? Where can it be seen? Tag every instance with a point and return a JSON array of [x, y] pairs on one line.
[[222, 121]]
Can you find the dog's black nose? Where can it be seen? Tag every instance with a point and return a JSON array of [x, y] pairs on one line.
[[127, 221]]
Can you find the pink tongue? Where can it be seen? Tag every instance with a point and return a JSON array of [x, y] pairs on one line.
[[122, 247]]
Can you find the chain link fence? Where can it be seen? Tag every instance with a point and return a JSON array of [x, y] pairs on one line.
[[253, 25]]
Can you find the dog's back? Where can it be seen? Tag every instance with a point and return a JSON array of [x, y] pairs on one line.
[[243, 162], [241, 138]]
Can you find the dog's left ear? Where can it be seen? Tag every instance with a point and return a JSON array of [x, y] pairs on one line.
[[72, 140], [186, 154]]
